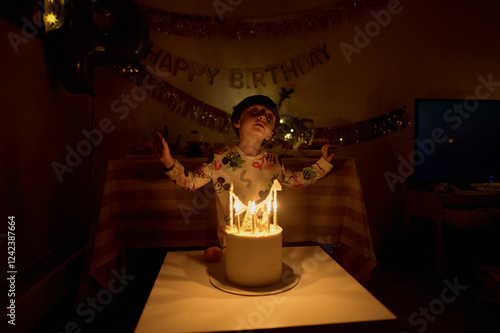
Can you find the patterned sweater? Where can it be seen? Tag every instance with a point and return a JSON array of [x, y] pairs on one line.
[[251, 177]]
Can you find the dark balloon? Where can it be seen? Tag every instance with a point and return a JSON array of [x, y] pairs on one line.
[[81, 44]]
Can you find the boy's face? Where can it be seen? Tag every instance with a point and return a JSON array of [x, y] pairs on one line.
[[256, 120]]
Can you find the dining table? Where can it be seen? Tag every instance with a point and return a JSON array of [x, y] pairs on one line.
[[314, 294], [140, 207]]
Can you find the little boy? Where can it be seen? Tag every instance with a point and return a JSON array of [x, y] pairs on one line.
[[244, 166]]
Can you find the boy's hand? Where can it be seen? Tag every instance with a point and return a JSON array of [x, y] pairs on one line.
[[328, 154], [162, 150]]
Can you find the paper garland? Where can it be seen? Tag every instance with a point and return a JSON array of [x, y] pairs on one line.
[[270, 27], [177, 100], [216, 119], [364, 130]]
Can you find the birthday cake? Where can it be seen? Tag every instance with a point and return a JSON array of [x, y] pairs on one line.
[[254, 259], [254, 242]]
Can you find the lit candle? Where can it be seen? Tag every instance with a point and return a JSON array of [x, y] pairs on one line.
[[275, 207], [252, 211], [237, 213], [269, 216], [231, 207]]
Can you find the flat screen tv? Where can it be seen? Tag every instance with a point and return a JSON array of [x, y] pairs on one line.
[[457, 141]]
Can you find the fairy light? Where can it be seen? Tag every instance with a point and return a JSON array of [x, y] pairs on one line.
[[50, 18]]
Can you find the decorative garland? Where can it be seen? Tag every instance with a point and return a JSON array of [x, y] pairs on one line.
[[364, 130], [273, 27], [177, 100], [216, 119]]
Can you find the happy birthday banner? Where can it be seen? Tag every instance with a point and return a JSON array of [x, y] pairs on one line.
[[216, 119], [277, 73], [218, 26]]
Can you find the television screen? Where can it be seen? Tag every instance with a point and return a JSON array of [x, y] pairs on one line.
[[457, 141]]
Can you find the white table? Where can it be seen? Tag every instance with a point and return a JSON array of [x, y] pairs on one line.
[[184, 300]]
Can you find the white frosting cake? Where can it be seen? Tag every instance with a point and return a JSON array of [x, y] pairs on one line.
[[254, 259]]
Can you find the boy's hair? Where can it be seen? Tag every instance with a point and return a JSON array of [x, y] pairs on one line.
[[251, 101]]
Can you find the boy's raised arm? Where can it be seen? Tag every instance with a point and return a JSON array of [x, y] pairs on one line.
[[162, 150]]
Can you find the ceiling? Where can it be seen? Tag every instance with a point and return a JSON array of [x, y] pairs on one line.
[[241, 8], [14, 10]]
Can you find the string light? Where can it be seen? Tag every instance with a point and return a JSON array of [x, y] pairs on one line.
[[53, 16], [50, 18]]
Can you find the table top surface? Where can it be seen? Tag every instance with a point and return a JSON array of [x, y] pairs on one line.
[[184, 300]]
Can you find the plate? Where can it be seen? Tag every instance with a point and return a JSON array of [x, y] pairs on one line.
[[219, 280]]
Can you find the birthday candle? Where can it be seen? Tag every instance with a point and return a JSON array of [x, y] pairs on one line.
[[237, 215], [269, 216], [275, 206], [252, 211], [231, 207]]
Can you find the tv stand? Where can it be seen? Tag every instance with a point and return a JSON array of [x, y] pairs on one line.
[[488, 188], [460, 209]]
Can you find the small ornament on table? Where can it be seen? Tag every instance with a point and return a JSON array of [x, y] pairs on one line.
[[213, 254]]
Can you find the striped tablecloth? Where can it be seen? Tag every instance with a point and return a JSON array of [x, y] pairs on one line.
[[141, 207]]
